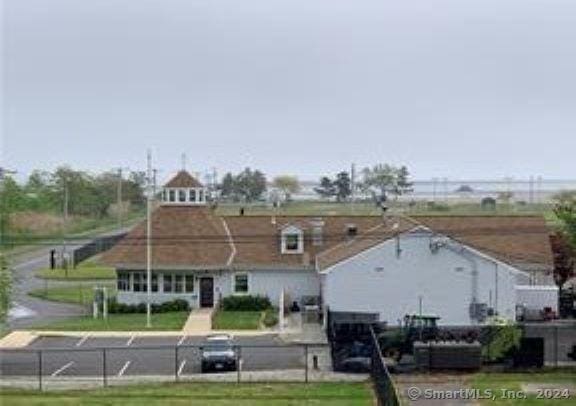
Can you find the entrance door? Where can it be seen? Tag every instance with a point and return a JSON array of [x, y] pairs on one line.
[[206, 292]]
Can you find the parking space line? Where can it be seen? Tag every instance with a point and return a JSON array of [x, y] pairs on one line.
[[124, 368], [82, 340], [182, 339], [59, 371], [130, 340], [181, 367]]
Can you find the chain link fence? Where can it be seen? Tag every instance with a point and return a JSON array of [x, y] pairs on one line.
[[71, 367]]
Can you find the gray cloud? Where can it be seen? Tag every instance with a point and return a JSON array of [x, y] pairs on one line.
[[462, 89]]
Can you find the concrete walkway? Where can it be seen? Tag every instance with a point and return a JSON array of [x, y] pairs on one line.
[[199, 322], [17, 339]]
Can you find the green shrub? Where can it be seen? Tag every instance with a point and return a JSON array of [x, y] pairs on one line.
[[246, 303], [270, 317], [177, 305], [499, 341]]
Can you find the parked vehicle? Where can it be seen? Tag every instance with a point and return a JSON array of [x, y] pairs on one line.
[[219, 354]]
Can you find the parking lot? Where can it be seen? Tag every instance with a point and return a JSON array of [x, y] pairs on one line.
[[110, 357]]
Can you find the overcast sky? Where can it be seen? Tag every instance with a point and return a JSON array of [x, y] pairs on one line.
[[464, 89]]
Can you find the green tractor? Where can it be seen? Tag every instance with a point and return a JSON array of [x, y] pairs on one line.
[[416, 327]]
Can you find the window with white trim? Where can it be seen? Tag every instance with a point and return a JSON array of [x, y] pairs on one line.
[[154, 282], [241, 283], [193, 195], [292, 240], [189, 283], [168, 283], [123, 281], [182, 196], [139, 282], [178, 283]]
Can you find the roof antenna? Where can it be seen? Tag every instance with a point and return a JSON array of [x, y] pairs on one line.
[[183, 161]]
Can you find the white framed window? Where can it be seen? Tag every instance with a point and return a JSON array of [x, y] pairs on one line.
[[292, 240], [240, 283], [178, 283], [192, 195], [139, 282], [189, 283], [168, 283], [182, 196], [172, 195], [154, 282], [123, 281]]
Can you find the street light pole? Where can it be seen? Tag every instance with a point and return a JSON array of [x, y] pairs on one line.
[[149, 242]]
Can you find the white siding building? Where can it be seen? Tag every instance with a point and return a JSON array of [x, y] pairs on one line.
[[420, 272]]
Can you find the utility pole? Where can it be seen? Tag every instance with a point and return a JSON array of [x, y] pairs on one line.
[[353, 186], [149, 198], [154, 181], [65, 231], [119, 195]]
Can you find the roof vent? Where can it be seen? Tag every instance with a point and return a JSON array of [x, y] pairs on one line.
[[351, 230]]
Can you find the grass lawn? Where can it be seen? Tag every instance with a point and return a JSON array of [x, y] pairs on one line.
[[77, 294], [326, 208], [119, 322], [229, 320], [84, 271], [221, 394], [513, 381]]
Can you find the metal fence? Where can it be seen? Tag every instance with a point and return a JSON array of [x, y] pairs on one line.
[[44, 368], [95, 247], [386, 393]]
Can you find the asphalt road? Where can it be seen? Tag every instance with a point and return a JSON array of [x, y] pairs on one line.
[[26, 310], [132, 355]]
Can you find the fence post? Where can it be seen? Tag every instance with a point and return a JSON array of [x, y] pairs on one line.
[[306, 363], [104, 377], [40, 370], [238, 363], [176, 367], [556, 346]]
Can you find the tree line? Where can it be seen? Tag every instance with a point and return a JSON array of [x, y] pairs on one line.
[[83, 193], [380, 181]]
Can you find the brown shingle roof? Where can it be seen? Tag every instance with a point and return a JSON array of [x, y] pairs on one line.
[[368, 239], [181, 236], [513, 239], [194, 237], [183, 179], [257, 238]]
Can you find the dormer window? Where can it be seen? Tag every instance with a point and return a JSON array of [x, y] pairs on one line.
[[292, 240]]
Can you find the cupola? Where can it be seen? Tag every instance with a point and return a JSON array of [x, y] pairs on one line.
[[184, 190]]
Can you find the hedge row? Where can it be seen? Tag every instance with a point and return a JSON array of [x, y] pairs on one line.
[[177, 305], [246, 303]]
